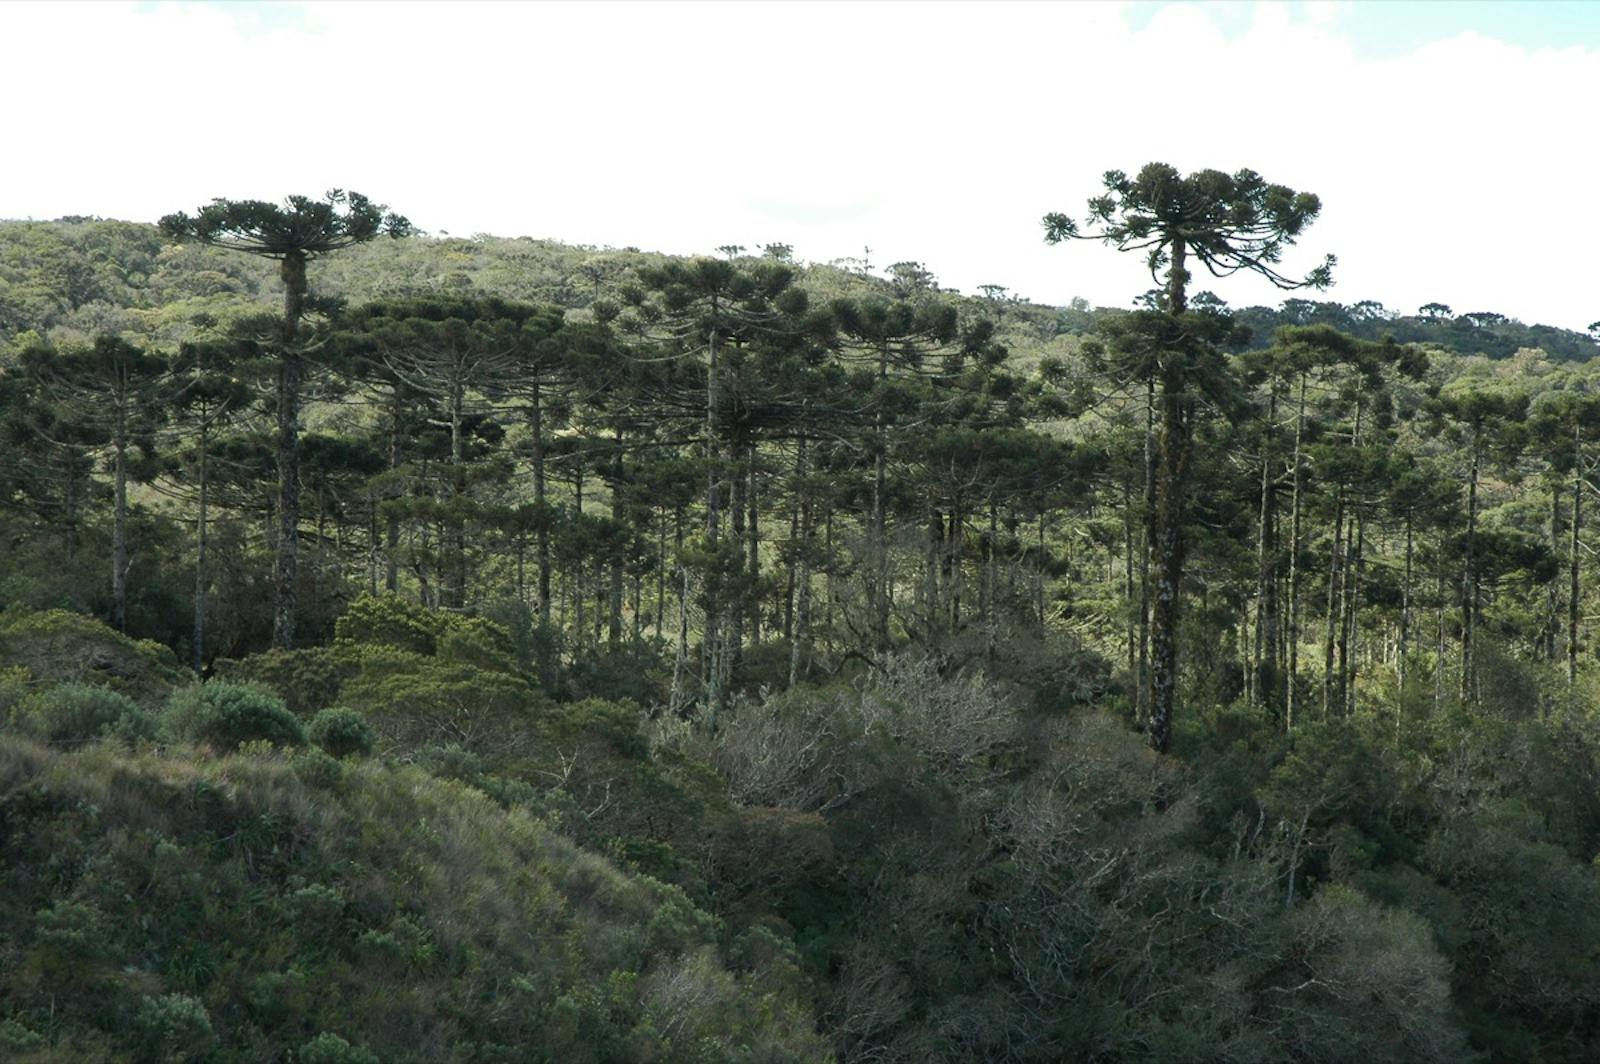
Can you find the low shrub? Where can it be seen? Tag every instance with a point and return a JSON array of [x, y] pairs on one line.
[[341, 732], [225, 715], [72, 714]]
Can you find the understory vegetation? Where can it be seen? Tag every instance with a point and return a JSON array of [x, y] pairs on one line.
[[502, 651]]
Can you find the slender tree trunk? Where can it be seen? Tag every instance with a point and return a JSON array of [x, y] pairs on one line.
[[69, 502], [1469, 577], [712, 634], [1147, 548], [792, 559], [119, 525], [202, 542], [1574, 558], [1296, 506], [680, 660], [288, 450], [540, 500], [1353, 613], [800, 639], [740, 592], [619, 519], [1265, 679], [455, 592], [661, 569], [391, 581], [1133, 625], [753, 531], [1330, 629], [878, 591], [1405, 610]]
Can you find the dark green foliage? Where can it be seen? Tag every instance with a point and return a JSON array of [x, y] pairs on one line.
[[329, 1048], [301, 226], [735, 660], [74, 713], [224, 715], [341, 732], [58, 646], [124, 880]]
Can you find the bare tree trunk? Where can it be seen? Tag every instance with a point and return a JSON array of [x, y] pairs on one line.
[[69, 502], [540, 500], [1265, 677], [753, 531], [1329, 639], [800, 637], [618, 518], [288, 450], [1469, 578], [119, 527], [878, 581], [739, 598], [1353, 613], [1292, 701], [1405, 609], [1574, 558], [1143, 697]]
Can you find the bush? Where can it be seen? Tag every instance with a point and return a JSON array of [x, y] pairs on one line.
[[329, 1048], [224, 715], [173, 1026], [341, 732], [57, 646], [308, 679], [71, 714]]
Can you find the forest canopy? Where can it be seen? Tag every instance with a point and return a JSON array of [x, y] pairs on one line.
[[423, 648]]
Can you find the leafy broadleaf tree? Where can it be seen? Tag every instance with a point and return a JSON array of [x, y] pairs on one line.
[[291, 234]]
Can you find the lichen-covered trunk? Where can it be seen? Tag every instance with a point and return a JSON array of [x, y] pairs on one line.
[[1169, 548]]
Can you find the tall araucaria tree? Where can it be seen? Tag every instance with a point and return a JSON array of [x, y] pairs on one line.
[[1229, 223], [117, 388], [291, 234]]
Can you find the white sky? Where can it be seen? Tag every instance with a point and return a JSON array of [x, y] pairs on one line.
[[1459, 168]]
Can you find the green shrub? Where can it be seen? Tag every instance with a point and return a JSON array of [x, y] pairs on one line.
[[223, 715], [57, 646], [15, 1038], [173, 1026], [329, 1048], [308, 679], [316, 768], [71, 714], [341, 732]]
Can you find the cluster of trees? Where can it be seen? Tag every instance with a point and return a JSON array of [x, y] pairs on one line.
[[790, 515]]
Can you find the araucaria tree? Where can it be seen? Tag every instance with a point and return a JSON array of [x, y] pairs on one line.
[[293, 234], [1229, 223]]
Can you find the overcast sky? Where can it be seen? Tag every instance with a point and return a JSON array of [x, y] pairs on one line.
[[1453, 145]]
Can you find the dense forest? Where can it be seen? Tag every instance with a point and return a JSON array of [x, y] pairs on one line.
[[422, 648]]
